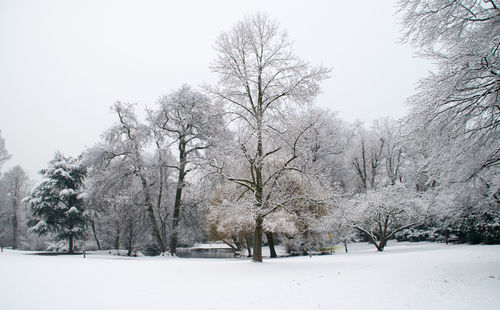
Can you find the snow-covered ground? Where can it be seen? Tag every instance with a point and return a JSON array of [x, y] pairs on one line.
[[405, 276]]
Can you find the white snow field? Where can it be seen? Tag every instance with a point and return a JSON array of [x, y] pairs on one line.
[[405, 276]]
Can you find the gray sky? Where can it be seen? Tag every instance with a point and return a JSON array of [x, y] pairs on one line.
[[63, 63]]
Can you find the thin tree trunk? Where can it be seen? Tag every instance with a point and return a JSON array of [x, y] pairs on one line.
[[345, 246], [129, 245], [178, 196], [249, 249], [151, 212], [270, 242], [117, 239], [139, 165], [14, 224], [70, 244], [92, 225], [163, 231]]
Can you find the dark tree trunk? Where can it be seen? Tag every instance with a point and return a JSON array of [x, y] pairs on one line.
[[117, 240], [129, 245], [92, 225], [382, 244], [257, 240], [178, 197], [270, 242], [14, 224], [139, 171], [162, 181], [249, 248], [70, 244], [151, 212], [345, 246]]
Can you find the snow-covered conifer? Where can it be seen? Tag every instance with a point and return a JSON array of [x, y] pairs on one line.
[[57, 203]]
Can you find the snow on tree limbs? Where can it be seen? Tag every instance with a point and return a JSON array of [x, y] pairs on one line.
[[57, 203]]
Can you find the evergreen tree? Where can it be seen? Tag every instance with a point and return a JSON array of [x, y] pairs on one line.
[[57, 202]]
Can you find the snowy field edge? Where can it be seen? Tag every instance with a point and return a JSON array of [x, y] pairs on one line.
[[404, 276]]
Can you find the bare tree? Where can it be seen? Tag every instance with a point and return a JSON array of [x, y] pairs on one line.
[[188, 119], [367, 156], [260, 78], [391, 137], [130, 137]]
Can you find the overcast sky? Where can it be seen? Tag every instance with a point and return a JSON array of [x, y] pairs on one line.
[[63, 63]]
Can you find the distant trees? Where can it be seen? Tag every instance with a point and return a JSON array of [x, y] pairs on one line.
[[57, 203], [4, 155], [366, 150], [251, 156], [14, 185], [260, 78]]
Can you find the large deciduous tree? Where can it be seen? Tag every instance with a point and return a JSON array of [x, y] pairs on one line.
[[260, 80], [461, 100], [188, 119], [126, 141], [57, 203], [455, 115]]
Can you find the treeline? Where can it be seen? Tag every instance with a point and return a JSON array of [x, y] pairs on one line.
[[251, 157]]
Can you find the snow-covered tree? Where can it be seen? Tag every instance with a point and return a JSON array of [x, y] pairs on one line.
[[322, 147], [460, 101], [379, 214], [188, 119], [114, 196], [57, 203], [129, 138], [366, 155], [13, 186], [4, 155], [121, 170], [229, 218], [260, 79], [455, 114], [390, 134]]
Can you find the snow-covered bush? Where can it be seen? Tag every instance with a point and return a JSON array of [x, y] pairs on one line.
[[380, 214]]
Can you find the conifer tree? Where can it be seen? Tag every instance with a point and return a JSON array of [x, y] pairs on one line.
[[57, 203]]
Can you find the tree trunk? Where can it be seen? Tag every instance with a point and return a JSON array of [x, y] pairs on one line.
[[270, 242], [129, 245], [382, 244], [257, 240], [249, 249], [117, 240], [92, 225], [175, 219], [151, 212], [14, 224], [178, 197], [345, 246], [70, 244]]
